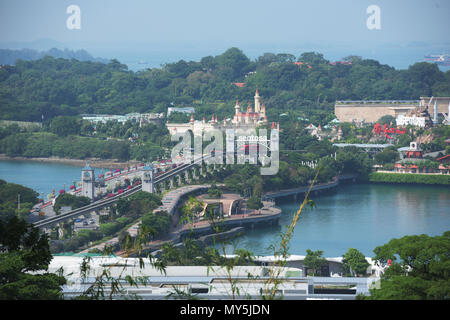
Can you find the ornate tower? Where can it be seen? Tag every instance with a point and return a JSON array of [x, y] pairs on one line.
[[257, 102], [88, 181], [147, 178], [237, 108]]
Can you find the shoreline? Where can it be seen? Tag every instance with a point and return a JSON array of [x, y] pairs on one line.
[[93, 162]]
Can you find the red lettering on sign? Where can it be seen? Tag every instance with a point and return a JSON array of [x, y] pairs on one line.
[[377, 129]]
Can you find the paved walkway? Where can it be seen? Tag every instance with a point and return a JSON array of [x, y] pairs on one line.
[[171, 200]]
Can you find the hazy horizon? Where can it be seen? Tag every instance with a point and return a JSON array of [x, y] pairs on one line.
[[168, 31]]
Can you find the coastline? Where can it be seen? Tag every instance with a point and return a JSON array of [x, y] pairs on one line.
[[93, 162]]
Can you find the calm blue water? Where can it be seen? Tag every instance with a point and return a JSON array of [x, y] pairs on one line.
[[40, 176], [360, 216]]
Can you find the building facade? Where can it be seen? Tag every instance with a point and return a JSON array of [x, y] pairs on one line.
[[88, 182], [372, 111], [249, 118]]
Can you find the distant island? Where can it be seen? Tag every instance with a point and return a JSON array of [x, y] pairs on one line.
[[9, 57]]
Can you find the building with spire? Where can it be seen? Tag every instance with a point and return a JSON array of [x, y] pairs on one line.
[[253, 116]]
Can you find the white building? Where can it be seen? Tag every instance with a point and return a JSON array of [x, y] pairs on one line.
[[180, 110], [403, 120], [205, 282], [249, 119]]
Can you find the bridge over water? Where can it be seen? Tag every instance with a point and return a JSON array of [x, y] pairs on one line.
[[170, 175], [97, 205], [304, 189]]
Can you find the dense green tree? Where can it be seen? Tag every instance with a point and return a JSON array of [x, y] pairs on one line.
[[419, 270], [388, 155], [327, 169], [10, 194], [43, 89], [313, 58], [387, 119], [158, 223], [24, 259], [254, 203], [70, 200], [353, 161], [233, 64], [178, 117], [314, 260], [64, 126], [354, 263]]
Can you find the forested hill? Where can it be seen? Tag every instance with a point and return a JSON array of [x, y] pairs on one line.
[[8, 56], [52, 87]]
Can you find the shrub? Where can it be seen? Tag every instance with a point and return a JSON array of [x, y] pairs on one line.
[[409, 178]]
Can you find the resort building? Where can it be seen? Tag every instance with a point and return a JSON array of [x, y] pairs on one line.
[[367, 111], [412, 161], [249, 118], [180, 110], [141, 118]]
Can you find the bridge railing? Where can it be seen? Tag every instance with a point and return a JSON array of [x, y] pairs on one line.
[[108, 201]]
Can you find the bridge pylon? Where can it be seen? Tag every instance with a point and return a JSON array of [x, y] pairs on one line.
[[147, 179], [88, 182]]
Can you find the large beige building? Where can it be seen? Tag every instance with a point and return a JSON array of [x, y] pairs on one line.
[[372, 111], [248, 119]]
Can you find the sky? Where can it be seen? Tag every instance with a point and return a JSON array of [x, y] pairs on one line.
[[121, 26]]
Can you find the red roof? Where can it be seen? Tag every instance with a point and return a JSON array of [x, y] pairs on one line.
[[239, 84], [444, 157], [299, 63]]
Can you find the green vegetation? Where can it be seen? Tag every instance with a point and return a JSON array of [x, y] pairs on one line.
[[69, 200], [178, 117], [190, 210], [24, 250], [81, 238], [57, 90], [137, 205], [10, 193], [247, 181], [8, 56], [122, 214], [314, 261], [440, 134], [388, 155], [254, 203], [409, 178], [52, 87], [158, 224], [354, 263], [45, 144], [214, 192], [419, 270]]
